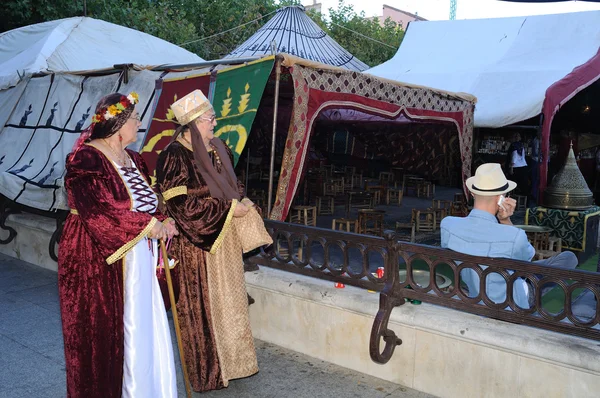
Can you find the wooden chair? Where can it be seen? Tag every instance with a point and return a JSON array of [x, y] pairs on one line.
[[394, 195], [378, 191], [425, 221], [306, 215], [338, 185], [344, 224], [386, 178], [329, 189], [359, 200], [400, 227], [370, 222], [441, 204], [325, 205], [357, 180], [425, 189], [459, 197], [411, 182]]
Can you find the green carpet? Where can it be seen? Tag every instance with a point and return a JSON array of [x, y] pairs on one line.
[[553, 301]]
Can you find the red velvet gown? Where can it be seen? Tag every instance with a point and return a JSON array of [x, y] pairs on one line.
[[203, 223], [97, 235]]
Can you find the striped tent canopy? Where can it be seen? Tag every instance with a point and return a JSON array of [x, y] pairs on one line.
[[295, 33]]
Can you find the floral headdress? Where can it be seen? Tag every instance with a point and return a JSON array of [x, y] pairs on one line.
[[114, 109], [104, 114]]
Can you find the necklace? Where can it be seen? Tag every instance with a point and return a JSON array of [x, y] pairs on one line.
[[186, 143], [123, 159]]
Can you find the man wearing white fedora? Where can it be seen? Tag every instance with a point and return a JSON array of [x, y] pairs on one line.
[[488, 231]]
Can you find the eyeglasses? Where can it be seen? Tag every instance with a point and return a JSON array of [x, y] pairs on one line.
[[136, 117], [209, 119]]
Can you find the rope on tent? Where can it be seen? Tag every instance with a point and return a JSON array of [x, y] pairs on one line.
[[365, 36], [228, 30]]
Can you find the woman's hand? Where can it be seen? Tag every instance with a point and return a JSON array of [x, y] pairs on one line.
[[171, 229], [248, 203], [158, 232], [240, 210]]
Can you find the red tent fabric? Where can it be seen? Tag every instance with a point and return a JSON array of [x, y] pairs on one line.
[[318, 87], [556, 96]]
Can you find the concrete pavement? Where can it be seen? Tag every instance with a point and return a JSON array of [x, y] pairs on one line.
[[32, 359]]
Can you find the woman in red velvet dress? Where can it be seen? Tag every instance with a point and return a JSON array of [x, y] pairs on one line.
[[195, 175], [115, 328]]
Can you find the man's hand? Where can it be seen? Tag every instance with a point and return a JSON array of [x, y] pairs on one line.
[[504, 214]]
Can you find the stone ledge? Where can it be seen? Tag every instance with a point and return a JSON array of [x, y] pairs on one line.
[[444, 352], [32, 241]]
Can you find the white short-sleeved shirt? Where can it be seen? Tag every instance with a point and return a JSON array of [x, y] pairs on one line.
[[518, 160]]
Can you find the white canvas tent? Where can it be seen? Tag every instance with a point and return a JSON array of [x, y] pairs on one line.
[[42, 116], [295, 33], [507, 63], [516, 67]]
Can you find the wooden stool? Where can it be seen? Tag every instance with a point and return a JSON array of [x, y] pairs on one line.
[[370, 221], [344, 224], [425, 220], [521, 202], [306, 215], [325, 205], [394, 194], [555, 244]]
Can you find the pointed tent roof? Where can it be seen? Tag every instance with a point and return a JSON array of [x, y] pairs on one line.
[[296, 34], [78, 44]]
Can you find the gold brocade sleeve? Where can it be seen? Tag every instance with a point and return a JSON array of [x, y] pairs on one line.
[[120, 253], [174, 192]]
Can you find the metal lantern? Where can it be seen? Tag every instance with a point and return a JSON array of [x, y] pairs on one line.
[[569, 190]]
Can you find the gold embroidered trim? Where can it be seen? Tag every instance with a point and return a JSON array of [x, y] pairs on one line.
[[194, 113], [74, 212], [226, 226], [121, 251], [173, 192]]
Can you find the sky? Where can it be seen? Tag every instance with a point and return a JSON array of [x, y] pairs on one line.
[[466, 9]]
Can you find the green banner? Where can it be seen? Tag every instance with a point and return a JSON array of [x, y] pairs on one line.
[[236, 97]]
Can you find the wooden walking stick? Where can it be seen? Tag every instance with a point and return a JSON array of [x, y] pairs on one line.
[[175, 318]]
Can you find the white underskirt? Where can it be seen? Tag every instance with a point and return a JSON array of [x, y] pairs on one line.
[[149, 367]]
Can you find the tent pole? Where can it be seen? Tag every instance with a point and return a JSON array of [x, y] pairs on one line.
[[275, 110], [247, 169]]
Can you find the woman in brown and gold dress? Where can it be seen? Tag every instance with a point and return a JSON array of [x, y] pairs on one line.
[[195, 175]]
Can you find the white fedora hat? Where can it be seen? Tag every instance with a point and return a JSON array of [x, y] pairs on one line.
[[489, 180]]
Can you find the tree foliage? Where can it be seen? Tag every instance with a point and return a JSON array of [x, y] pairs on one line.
[[198, 25]]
